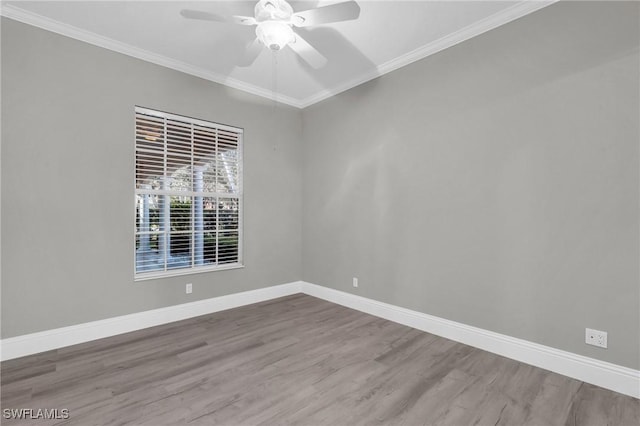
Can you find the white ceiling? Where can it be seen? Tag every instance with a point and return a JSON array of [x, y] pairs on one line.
[[388, 35]]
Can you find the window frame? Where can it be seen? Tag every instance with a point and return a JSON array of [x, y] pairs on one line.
[[193, 269]]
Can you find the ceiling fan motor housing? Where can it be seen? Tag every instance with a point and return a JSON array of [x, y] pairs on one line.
[[273, 10]]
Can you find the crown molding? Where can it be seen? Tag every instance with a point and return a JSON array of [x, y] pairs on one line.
[[498, 19], [36, 20], [505, 16]]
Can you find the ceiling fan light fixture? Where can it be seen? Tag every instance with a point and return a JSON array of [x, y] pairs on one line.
[[274, 21], [275, 35]]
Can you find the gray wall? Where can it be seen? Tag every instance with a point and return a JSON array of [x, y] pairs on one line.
[[494, 183], [67, 182]]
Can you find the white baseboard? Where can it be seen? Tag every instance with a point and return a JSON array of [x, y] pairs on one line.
[[610, 376], [33, 343], [604, 374]]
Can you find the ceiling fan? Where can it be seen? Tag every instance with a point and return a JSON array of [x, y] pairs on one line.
[[275, 19]]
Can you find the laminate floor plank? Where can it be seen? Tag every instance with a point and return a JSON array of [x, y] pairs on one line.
[[297, 360]]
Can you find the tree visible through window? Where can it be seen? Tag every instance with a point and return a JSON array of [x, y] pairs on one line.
[[188, 194]]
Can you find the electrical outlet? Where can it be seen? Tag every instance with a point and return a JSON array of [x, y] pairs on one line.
[[355, 282], [596, 338], [189, 288]]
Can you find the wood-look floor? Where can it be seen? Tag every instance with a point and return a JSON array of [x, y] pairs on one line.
[[298, 360]]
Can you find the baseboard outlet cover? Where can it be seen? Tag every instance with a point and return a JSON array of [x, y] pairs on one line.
[[604, 374], [28, 344]]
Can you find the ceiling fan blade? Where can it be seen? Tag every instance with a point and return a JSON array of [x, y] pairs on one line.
[[251, 53], [206, 16], [345, 11], [203, 16], [307, 52]]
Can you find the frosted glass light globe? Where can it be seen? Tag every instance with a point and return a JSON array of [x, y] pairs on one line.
[[275, 35]]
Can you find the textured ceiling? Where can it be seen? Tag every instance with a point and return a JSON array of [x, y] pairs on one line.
[[387, 35]]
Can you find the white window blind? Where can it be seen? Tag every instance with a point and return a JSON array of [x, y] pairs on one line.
[[188, 195]]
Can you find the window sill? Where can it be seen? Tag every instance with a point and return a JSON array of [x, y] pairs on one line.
[[179, 272]]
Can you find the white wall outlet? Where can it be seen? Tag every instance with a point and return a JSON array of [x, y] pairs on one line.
[[596, 338], [355, 282], [189, 288]]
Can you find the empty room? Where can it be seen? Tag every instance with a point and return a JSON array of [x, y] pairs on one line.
[[333, 212]]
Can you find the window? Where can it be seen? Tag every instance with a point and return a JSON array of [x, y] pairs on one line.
[[188, 195]]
